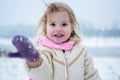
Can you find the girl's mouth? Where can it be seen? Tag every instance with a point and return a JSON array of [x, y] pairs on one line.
[[58, 35]]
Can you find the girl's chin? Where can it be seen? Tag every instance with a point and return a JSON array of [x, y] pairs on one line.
[[58, 41]]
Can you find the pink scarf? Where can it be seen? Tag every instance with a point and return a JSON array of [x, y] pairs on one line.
[[50, 44]]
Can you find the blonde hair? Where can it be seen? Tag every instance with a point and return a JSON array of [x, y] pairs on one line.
[[56, 7]]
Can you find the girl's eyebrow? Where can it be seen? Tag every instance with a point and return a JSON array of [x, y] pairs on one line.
[[66, 21], [55, 21], [51, 21]]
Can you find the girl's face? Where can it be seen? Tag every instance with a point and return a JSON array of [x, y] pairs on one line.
[[59, 27]]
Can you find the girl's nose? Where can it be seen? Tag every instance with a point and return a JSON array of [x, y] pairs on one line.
[[59, 29]]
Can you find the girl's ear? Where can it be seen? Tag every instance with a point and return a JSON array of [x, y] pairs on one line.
[[72, 30]]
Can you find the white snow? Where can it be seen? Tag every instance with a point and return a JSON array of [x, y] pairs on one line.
[[13, 69], [101, 42], [108, 67]]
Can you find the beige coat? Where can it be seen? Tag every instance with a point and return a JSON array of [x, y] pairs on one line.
[[75, 64]]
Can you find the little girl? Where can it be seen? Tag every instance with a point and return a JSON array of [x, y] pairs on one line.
[[58, 53]]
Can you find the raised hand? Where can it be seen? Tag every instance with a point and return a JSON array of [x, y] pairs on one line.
[[25, 49]]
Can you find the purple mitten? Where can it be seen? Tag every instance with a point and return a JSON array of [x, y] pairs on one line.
[[25, 49]]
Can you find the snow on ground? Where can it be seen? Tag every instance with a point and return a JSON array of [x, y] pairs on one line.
[[101, 41], [108, 67], [13, 69]]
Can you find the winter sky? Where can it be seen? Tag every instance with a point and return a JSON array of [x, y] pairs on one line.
[[100, 13]]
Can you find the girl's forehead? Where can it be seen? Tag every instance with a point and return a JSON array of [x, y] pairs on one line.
[[58, 14]]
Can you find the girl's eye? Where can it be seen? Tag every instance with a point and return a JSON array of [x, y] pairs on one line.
[[52, 24], [64, 24]]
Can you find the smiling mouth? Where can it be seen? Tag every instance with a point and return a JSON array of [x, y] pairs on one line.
[[59, 36]]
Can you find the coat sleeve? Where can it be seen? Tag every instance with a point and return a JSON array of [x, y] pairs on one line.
[[43, 71], [90, 72]]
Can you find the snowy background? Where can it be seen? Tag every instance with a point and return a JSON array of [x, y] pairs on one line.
[[100, 33]]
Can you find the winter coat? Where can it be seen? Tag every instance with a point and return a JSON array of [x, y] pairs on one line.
[[75, 64]]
